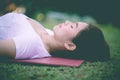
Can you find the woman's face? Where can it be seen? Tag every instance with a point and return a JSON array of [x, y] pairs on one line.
[[68, 30]]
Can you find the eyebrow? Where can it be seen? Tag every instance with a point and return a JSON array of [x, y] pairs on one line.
[[76, 25]]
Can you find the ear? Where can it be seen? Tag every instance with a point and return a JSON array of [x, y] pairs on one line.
[[70, 45]]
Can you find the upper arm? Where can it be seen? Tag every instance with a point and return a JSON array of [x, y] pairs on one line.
[[7, 48]]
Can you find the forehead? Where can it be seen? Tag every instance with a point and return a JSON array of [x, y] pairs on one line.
[[81, 25]]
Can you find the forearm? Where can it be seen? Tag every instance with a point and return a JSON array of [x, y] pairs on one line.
[[7, 48]]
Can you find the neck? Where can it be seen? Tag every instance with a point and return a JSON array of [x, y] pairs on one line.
[[50, 43]]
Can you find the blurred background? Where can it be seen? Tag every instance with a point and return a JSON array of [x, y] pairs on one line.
[[54, 11], [105, 13]]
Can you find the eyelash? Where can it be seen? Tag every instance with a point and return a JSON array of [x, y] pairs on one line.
[[71, 26]]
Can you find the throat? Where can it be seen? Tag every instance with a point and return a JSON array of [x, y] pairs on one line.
[[38, 28], [48, 42], [42, 33]]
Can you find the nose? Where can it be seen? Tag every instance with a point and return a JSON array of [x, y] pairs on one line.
[[68, 22]]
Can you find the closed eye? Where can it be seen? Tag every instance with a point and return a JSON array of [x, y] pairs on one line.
[[71, 26], [76, 25]]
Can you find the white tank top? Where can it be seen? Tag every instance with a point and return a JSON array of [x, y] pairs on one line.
[[28, 44]]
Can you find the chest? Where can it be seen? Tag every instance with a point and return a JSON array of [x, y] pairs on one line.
[[14, 27], [38, 28]]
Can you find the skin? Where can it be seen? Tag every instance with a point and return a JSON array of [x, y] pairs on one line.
[[7, 48], [61, 40], [68, 30]]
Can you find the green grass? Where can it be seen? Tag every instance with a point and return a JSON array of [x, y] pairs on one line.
[[109, 70]]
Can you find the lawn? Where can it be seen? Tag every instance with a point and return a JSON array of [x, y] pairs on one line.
[[109, 70]]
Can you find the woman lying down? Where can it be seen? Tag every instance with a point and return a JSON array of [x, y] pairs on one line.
[[22, 37]]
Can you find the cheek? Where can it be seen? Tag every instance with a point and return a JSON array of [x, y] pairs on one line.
[[66, 32], [69, 34]]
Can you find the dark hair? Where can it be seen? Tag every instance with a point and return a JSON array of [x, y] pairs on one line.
[[91, 46]]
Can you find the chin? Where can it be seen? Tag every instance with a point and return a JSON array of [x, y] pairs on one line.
[[55, 28]]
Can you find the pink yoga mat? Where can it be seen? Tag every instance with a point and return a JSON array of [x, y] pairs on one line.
[[53, 61]]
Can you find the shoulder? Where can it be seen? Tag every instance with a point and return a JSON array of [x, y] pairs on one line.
[[28, 42], [30, 46]]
